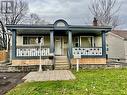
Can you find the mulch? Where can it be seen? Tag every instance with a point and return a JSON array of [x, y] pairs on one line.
[[9, 81]]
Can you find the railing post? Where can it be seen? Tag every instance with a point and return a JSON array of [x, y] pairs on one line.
[[13, 44], [103, 44]]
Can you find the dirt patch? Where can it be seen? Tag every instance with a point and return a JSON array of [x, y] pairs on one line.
[[10, 80]]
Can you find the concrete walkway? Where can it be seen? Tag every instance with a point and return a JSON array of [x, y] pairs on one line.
[[53, 75]]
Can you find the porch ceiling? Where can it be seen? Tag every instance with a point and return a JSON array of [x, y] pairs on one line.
[[32, 32], [76, 32]]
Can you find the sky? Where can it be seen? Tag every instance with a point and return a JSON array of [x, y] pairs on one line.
[[75, 12]]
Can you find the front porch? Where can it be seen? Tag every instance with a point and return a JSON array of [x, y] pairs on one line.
[[88, 43]]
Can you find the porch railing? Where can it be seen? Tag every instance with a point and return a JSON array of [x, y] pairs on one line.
[[87, 51], [32, 51]]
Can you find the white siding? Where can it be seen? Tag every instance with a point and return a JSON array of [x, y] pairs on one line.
[[98, 41], [115, 46], [19, 40], [125, 43]]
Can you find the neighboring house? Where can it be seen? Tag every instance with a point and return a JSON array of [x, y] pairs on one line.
[[117, 45], [58, 40]]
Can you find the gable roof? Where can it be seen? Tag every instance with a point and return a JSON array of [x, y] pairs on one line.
[[121, 33]]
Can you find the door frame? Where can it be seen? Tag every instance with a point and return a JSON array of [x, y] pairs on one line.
[[62, 45], [60, 40]]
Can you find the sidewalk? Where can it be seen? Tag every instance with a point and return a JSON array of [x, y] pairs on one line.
[[53, 75]]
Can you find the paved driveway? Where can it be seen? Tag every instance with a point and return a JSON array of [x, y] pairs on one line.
[[10, 80]]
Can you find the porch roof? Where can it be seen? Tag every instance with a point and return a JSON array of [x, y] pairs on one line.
[[51, 27], [59, 25]]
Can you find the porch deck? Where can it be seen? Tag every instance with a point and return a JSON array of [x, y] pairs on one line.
[[49, 76]]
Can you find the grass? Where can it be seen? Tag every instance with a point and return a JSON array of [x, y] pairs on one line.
[[88, 82]]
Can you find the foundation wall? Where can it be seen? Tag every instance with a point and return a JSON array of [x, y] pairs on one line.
[[90, 61], [32, 62]]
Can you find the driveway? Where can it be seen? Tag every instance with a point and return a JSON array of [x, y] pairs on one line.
[[10, 80]]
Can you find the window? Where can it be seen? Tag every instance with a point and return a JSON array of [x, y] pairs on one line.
[[76, 41], [87, 42], [31, 40], [60, 24]]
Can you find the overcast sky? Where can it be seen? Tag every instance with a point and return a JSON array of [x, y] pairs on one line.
[[73, 11]]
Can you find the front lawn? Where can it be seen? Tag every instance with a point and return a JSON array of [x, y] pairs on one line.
[[88, 82]]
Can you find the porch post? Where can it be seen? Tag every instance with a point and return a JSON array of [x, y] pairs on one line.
[[70, 42], [103, 44], [51, 41], [13, 43]]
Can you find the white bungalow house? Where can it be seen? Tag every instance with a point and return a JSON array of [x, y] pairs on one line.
[[59, 40]]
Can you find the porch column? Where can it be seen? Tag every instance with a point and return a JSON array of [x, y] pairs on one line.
[[103, 44], [51, 41], [13, 43], [70, 42]]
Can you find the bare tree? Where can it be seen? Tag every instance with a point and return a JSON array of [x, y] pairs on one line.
[[105, 11], [3, 37], [20, 10], [34, 18]]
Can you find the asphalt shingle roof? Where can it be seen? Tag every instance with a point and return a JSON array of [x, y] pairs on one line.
[[121, 33]]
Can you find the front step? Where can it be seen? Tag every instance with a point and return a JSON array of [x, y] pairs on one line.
[[62, 67], [61, 63], [7, 68]]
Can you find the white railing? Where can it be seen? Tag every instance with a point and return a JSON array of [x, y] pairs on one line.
[[32, 51], [87, 51]]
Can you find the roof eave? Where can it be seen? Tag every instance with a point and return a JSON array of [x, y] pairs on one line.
[[50, 27]]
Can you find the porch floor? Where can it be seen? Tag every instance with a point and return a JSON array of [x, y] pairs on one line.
[[53, 75]]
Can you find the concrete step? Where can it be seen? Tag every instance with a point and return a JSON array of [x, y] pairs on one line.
[[4, 68], [61, 61], [7, 68], [61, 57], [61, 66]]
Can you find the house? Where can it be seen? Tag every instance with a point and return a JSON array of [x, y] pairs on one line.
[[58, 40], [117, 45]]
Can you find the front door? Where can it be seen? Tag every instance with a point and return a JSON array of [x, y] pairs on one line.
[[61, 45], [58, 45]]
